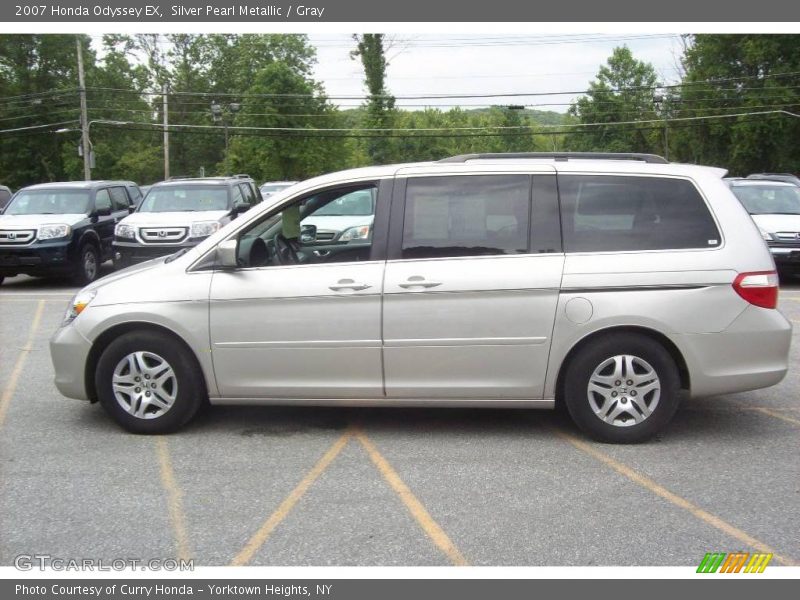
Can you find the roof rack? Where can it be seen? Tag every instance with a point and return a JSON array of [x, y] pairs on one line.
[[648, 158], [242, 176]]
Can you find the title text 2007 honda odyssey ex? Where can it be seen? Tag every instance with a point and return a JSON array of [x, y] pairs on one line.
[[606, 282]]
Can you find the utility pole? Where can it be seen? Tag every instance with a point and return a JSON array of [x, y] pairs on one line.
[[165, 111], [85, 144]]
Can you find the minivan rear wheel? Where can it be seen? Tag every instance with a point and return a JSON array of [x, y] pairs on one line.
[[622, 388], [149, 382]]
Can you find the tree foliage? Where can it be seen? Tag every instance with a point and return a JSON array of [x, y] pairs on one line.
[[734, 74], [278, 133], [622, 91]]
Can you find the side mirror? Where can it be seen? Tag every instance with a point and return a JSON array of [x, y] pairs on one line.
[[103, 211], [308, 234], [131, 209], [239, 207], [226, 254]]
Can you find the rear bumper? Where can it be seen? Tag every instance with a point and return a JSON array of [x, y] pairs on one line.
[[69, 351], [752, 353]]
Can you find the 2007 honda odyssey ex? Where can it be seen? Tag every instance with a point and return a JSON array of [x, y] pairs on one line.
[[607, 282]]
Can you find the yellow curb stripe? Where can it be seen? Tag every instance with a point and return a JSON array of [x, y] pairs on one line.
[[652, 486], [13, 380], [177, 516], [415, 507], [774, 414], [275, 519]]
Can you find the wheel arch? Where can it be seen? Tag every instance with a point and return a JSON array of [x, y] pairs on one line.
[[668, 344], [109, 335]]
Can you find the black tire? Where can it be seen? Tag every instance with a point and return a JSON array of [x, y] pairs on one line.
[[84, 273], [649, 353], [189, 396]]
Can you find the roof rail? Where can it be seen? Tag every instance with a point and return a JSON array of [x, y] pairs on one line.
[[242, 176], [648, 158]]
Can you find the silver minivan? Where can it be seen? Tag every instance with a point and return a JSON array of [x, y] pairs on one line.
[[613, 284]]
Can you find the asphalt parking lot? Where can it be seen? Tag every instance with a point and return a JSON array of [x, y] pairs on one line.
[[313, 486]]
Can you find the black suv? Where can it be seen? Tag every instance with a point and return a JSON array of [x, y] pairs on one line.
[[62, 228], [180, 213]]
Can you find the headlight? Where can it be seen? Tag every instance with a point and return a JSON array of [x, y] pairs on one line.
[[77, 305], [361, 232], [53, 232], [766, 235], [204, 228], [124, 230]]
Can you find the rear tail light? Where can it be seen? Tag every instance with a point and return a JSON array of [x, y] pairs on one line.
[[759, 288]]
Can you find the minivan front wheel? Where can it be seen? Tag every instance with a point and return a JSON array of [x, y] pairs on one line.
[[148, 382], [622, 388]]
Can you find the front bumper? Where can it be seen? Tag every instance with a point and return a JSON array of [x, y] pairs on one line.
[[127, 252], [69, 351], [39, 258], [787, 257]]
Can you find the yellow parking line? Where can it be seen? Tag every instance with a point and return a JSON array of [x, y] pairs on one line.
[[11, 386], [177, 516], [773, 414], [652, 486], [291, 500], [415, 507]]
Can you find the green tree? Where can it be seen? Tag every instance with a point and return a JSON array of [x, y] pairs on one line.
[[622, 91], [38, 86], [285, 155], [734, 74], [380, 104]]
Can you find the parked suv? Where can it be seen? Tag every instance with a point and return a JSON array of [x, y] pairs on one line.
[[775, 207], [62, 228], [608, 283], [180, 213]]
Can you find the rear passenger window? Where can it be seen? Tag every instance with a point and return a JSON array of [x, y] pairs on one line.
[[119, 198], [612, 213], [466, 216]]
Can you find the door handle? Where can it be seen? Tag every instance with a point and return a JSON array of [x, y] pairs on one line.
[[348, 284], [418, 281], [322, 253]]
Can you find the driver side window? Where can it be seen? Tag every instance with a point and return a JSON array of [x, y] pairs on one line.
[[333, 225]]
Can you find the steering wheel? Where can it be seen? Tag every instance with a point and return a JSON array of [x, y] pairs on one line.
[[285, 250]]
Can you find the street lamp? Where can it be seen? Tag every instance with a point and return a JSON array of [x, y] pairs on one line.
[[91, 162], [219, 112], [88, 139]]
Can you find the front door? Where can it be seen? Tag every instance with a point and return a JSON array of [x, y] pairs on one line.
[[294, 324], [471, 286]]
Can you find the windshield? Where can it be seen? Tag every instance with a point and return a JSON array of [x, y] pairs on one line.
[[185, 199], [354, 204], [769, 199], [49, 202]]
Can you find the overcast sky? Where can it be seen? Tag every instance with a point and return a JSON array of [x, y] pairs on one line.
[[493, 63]]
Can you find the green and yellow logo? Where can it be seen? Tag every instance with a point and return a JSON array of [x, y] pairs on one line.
[[735, 562]]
